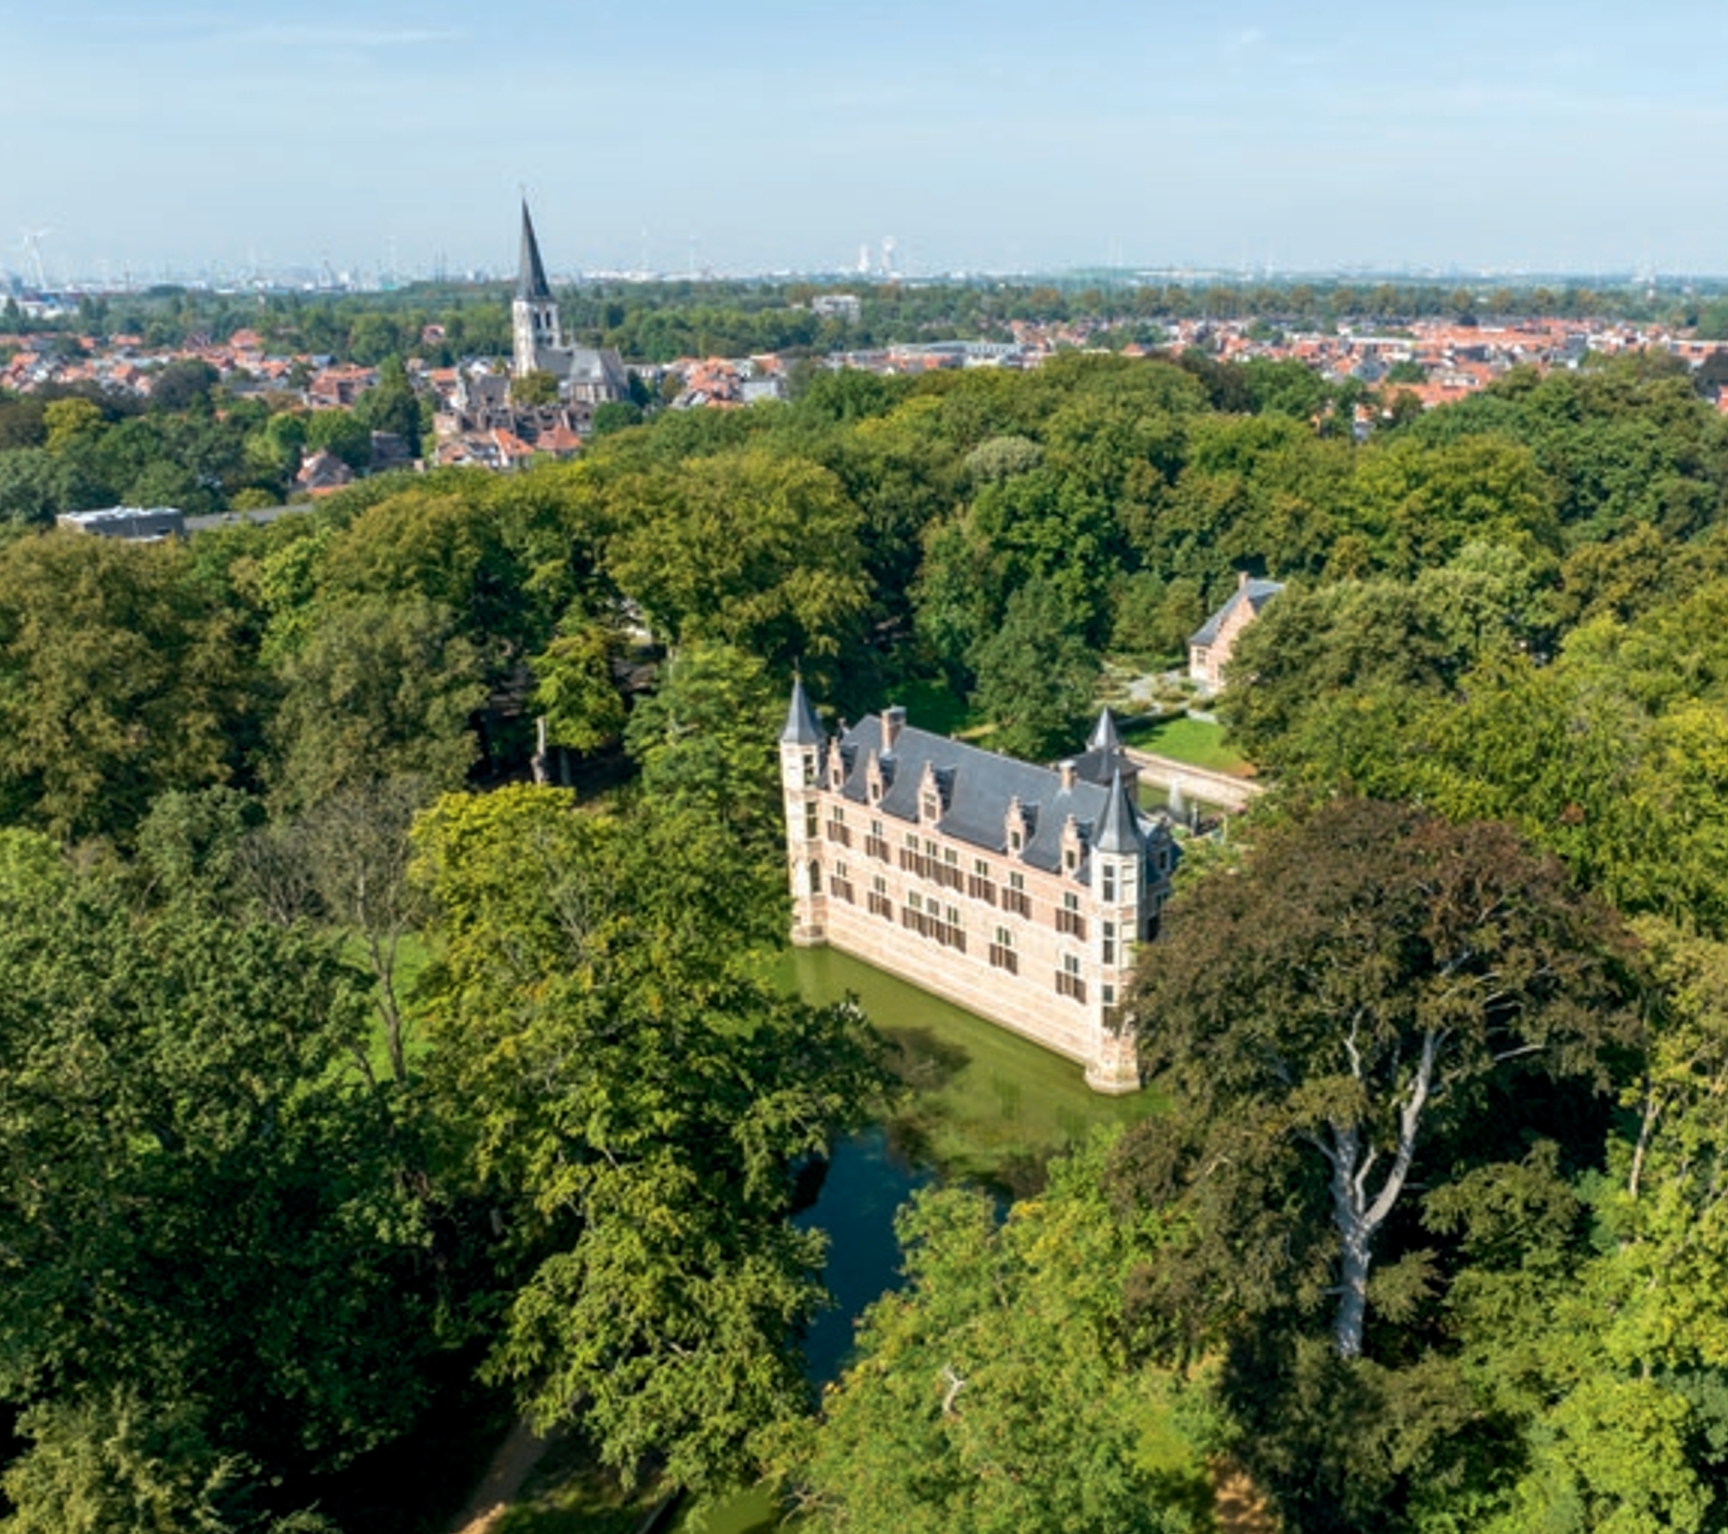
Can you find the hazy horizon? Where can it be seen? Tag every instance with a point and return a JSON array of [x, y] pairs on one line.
[[771, 137]]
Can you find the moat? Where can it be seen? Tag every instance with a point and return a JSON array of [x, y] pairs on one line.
[[983, 1106]]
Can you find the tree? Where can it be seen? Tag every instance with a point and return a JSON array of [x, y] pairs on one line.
[[205, 1220], [1370, 983], [536, 388], [32, 485], [747, 549], [382, 689], [111, 1465], [183, 385], [616, 415], [120, 678], [1035, 676], [575, 687], [642, 1099], [340, 432], [391, 405], [998, 1391]]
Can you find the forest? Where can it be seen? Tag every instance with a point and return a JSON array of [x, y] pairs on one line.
[[367, 1068]]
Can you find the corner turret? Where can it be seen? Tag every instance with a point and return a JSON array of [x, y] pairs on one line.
[[801, 743]]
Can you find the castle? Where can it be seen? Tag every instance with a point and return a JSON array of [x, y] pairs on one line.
[[585, 375], [1019, 892]]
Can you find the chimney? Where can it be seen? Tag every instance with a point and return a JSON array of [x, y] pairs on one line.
[[893, 721], [1068, 775]]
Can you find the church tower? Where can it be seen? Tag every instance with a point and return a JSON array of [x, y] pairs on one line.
[[534, 314]]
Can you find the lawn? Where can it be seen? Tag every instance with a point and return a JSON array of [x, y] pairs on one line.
[[1198, 742]]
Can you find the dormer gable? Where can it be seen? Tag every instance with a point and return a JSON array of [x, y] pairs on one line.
[[930, 796]]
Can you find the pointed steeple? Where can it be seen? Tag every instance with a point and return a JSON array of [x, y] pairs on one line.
[[1119, 830], [1104, 736], [802, 728], [531, 284]]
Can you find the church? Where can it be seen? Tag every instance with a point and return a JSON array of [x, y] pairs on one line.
[[1019, 892], [586, 376]]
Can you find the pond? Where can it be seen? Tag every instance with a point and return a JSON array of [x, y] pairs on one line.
[[983, 1106]]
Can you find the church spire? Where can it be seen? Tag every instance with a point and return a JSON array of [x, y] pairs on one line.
[[531, 284]]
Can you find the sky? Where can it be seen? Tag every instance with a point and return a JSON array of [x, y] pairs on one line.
[[148, 137]]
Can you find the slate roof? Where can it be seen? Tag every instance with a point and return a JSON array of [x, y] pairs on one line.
[[1256, 593], [1120, 830], [531, 281], [802, 727], [978, 787]]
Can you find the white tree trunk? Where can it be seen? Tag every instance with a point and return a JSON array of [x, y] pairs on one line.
[[1359, 1216]]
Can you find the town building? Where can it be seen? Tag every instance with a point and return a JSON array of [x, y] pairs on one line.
[[586, 376], [1211, 646], [1018, 891], [133, 524]]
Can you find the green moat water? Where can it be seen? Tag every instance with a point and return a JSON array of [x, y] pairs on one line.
[[983, 1106]]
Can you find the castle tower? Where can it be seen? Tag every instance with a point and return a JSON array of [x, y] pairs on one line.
[[1118, 887], [534, 313], [801, 745]]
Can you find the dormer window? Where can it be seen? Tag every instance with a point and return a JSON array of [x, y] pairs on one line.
[[930, 805], [1070, 859], [1016, 842]]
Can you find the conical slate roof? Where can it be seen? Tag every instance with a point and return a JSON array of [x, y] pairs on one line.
[[1119, 830], [531, 281], [802, 728], [1104, 736]]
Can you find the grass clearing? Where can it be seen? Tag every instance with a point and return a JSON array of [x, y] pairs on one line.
[[1182, 738]]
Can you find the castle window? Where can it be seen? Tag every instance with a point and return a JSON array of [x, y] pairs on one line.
[[815, 878], [1107, 879], [1068, 918], [837, 831], [1014, 899], [1068, 981], [1015, 841], [1109, 942], [930, 807], [979, 886], [840, 884], [810, 822], [876, 844], [1070, 859], [880, 904]]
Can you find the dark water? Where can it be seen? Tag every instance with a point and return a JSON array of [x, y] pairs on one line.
[[984, 1106], [864, 1187]]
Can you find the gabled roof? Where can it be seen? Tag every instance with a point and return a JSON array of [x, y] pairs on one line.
[[978, 787], [1256, 593], [531, 281], [802, 727]]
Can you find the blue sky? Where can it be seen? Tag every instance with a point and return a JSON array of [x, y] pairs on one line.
[[769, 134]]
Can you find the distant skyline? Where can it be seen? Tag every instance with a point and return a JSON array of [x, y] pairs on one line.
[[783, 134]]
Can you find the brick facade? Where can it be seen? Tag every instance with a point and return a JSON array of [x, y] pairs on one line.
[[1210, 648], [1019, 892]]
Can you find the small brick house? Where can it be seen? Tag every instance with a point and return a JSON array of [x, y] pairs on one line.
[[1211, 646]]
